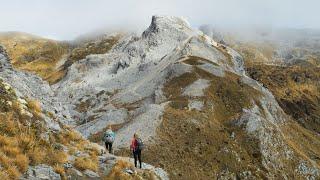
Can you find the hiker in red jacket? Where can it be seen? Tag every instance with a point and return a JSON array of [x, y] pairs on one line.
[[136, 148]]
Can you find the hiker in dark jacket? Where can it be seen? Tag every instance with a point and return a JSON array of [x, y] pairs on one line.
[[108, 138], [136, 148]]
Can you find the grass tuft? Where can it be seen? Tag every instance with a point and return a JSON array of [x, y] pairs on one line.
[[83, 163]]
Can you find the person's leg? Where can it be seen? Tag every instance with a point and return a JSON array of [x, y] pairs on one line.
[[139, 157], [135, 158], [110, 148], [106, 146]]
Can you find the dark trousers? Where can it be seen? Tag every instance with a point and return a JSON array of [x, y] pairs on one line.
[[137, 156], [109, 146]]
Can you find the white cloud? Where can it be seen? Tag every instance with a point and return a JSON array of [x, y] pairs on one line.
[[66, 19]]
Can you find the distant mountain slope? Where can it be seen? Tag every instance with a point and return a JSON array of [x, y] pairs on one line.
[[287, 62], [49, 58], [33, 53]]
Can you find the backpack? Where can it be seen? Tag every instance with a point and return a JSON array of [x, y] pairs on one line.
[[108, 137], [140, 144]]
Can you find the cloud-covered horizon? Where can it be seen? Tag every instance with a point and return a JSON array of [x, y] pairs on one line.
[[67, 19]]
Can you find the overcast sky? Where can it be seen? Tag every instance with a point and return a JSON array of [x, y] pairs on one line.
[[66, 19]]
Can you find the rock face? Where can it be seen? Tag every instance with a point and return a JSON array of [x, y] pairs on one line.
[[131, 73], [35, 127], [31, 86], [41, 172], [148, 83]]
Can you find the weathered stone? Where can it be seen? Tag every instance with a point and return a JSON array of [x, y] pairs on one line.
[[76, 172], [90, 173], [41, 172], [195, 104]]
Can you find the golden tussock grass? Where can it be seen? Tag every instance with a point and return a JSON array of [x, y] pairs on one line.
[[306, 143], [11, 151], [7, 125], [13, 172], [54, 157], [73, 136], [36, 156], [34, 106], [4, 141], [72, 150], [55, 76], [4, 160], [4, 175], [22, 162], [117, 171], [26, 142], [22, 143], [83, 163], [60, 170]]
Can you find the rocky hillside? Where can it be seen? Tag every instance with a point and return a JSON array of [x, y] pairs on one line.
[[35, 143], [203, 110], [48, 58], [32, 53], [189, 98], [287, 62]]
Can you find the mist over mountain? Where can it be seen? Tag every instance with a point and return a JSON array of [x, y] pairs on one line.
[[213, 90], [65, 20]]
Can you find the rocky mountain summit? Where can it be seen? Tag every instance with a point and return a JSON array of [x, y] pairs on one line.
[[174, 76], [188, 96]]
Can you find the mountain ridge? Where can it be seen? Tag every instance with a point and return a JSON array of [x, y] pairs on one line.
[[181, 90]]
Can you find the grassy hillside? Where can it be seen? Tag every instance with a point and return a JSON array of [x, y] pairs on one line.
[[84, 48], [294, 83], [25, 140], [296, 88], [49, 58], [206, 144], [33, 53]]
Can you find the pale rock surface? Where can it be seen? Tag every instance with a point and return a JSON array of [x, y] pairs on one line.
[[90, 174], [196, 88], [195, 104], [133, 73], [41, 172], [31, 86]]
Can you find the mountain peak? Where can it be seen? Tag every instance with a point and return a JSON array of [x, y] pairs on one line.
[[170, 27], [160, 20]]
